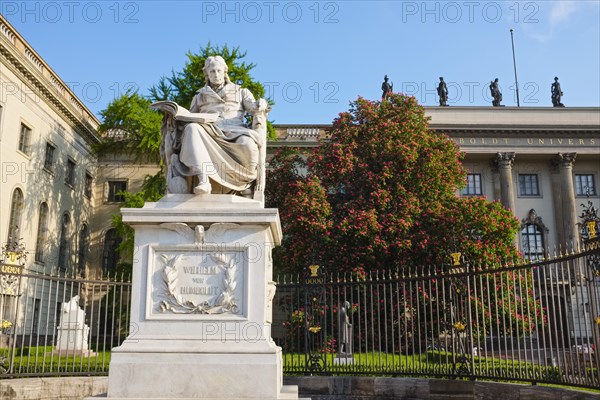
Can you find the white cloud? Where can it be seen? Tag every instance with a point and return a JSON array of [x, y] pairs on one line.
[[561, 10]]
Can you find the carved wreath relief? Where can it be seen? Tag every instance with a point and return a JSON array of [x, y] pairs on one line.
[[198, 283]]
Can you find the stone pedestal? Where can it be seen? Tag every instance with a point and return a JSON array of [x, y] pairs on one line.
[[201, 303]]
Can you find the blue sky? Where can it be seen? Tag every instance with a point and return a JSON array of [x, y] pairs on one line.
[[314, 57]]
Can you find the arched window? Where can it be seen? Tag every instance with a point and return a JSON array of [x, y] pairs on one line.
[[533, 232], [84, 236], [42, 234], [532, 242], [63, 249], [16, 215], [110, 254]]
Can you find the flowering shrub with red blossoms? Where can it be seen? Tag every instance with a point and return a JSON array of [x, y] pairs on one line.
[[381, 194]]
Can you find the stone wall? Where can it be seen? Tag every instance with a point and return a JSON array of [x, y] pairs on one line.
[[318, 388], [70, 388], [373, 388]]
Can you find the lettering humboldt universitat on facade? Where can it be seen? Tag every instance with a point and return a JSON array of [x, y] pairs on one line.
[[513, 141]]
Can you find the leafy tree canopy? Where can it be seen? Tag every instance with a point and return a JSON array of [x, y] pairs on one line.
[[381, 194], [129, 124], [181, 86], [152, 190]]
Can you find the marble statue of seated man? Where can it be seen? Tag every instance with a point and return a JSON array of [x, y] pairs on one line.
[[217, 154]]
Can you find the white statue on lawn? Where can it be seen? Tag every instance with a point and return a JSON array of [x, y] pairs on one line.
[[210, 149]]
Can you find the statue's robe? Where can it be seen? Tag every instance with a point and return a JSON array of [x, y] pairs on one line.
[[227, 151]]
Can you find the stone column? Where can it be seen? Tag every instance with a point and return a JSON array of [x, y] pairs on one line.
[[564, 162], [504, 162], [557, 206]]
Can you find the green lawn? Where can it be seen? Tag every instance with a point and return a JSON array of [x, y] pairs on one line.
[[435, 363], [41, 360]]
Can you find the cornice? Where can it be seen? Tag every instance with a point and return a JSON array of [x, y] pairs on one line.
[[539, 130], [56, 94], [507, 119]]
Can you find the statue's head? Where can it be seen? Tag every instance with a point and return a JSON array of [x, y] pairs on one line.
[[215, 71], [441, 78], [556, 78], [496, 80], [385, 78]]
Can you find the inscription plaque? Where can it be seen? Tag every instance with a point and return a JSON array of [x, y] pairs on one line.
[[196, 281]]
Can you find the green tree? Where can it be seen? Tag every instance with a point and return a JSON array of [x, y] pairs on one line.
[[152, 190], [128, 123], [181, 86], [130, 126], [381, 194]]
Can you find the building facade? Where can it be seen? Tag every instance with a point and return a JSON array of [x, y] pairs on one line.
[[57, 197], [541, 163], [48, 170]]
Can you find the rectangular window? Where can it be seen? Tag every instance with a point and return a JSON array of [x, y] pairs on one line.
[[24, 139], [70, 173], [528, 185], [49, 159], [114, 189], [584, 185], [7, 307], [473, 185], [87, 190]]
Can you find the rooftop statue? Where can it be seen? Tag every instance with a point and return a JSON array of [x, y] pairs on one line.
[[210, 149], [556, 93], [386, 87], [442, 91], [496, 94]]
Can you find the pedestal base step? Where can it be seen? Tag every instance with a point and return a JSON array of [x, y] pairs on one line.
[[288, 392]]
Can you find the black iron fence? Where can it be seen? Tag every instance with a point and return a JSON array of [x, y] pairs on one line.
[[536, 322], [52, 324]]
